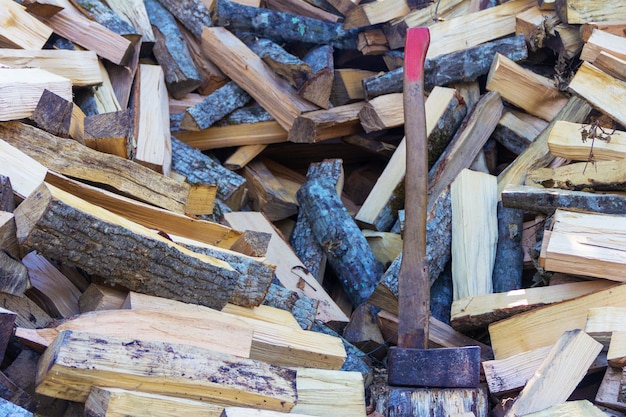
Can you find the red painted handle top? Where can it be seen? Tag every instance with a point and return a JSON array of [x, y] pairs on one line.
[[415, 48]]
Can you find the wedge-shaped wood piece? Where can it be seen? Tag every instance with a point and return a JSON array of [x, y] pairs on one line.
[[616, 356], [612, 65], [21, 89], [601, 90], [525, 89], [21, 29], [588, 244], [348, 85], [267, 193], [582, 176], [211, 329], [615, 27], [320, 125], [8, 237], [12, 166], [103, 402], [317, 87], [214, 107], [77, 361], [601, 41], [512, 373], [29, 314], [253, 75], [578, 408], [563, 368], [244, 134], [542, 327], [271, 342], [101, 297], [59, 116], [110, 133], [602, 322], [14, 274], [566, 140], [610, 391], [581, 11], [43, 8], [51, 219], [134, 11], [375, 12], [480, 310], [382, 112], [75, 160]]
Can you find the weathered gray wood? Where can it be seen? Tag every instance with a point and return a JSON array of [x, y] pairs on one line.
[[547, 200], [171, 52], [193, 14], [508, 267], [288, 66], [214, 107], [7, 200], [66, 228], [283, 27], [348, 252], [303, 308], [13, 275], [462, 66], [102, 13]]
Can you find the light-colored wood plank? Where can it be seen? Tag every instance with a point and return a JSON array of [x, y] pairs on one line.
[[21, 29], [616, 356], [575, 12], [565, 141], [601, 41], [579, 408]]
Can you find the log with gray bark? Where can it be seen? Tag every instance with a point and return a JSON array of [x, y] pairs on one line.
[[214, 107], [508, 267], [193, 14]]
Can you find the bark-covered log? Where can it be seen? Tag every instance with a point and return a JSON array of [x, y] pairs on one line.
[[214, 107], [193, 14], [348, 252], [13, 275], [318, 85], [303, 308], [66, 228], [462, 66], [100, 12], [7, 200], [355, 357], [171, 52], [508, 266], [547, 200], [283, 27]]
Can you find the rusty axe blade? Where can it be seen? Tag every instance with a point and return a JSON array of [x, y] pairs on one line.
[[411, 363]]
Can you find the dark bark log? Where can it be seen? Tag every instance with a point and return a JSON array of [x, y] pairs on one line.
[[13, 275], [110, 133], [510, 139], [547, 200], [318, 86], [347, 249], [214, 107], [508, 267], [199, 168], [7, 199], [441, 295], [193, 14], [53, 114], [355, 361], [53, 224], [303, 308], [283, 27], [251, 114], [171, 52], [7, 321], [462, 66], [98, 11]]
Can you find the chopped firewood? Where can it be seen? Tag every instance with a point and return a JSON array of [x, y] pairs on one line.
[[281, 26], [582, 176], [24, 30], [363, 332], [614, 27], [157, 368], [303, 308], [99, 11], [512, 373], [534, 93], [537, 155], [105, 98], [474, 241], [542, 28], [271, 342], [60, 117], [43, 8], [122, 77], [267, 194], [215, 331], [601, 41], [250, 412], [8, 230], [7, 322], [23, 181], [14, 278], [52, 290], [383, 112], [29, 314], [302, 8], [578, 408], [110, 133], [181, 75], [481, 310], [574, 141], [612, 65], [243, 155], [317, 87], [214, 107], [559, 374], [581, 11], [616, 356], [12, 392], [508, 266], [347, 85], [587, 244], [252, 74], [103, 402], [101, 297], [7, 204], [610, 391], [135, 13], [386, 246], [542, 326], [319, 125], [43, 224], [442, 105], [516, 134], [375, 12], [372, 42], [193, 14], [289, 269], [73, 159], [23, 87]]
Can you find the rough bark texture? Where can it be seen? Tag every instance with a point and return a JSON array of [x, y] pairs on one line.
[[13, 275], [283, 27], [193, 14], [139, 262], [7, 201], [288, 66], [303, 308], [348, 252], [101, 13], [354, 359], [509, 263], [216, 106], [171, 52]]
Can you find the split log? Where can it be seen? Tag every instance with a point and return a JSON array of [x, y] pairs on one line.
[[7, 202], [612, 65], [99, 11], [290, 271], [317, 87], [181, 75], [348, 86], [23, 87], [101, 297], [74, 160], [508, 265], [609, 392], [16, 395], [249, 412], [243, 155], [13, 274], [603, 322], [214, 107], [382, 112], [363, 332], [193, 14], [24, 30], [304, 309], [479, 311], [474, 242], [135, 13], [348, 252], [372, 42], [43, 225], [462, 66], [614, 27], [104, 97], [511, 374], [596, 86], [110, 133], [516, 134], [43, 8], [568, 140], [542, 327], [376, 12], [80, 67], [59, 116], [159, 366], [311, 9], [577, 11], [543, 29], [122, 77], [586, 176], [267, 194], [563, 368], [537, 155], [254, 76], [282, 27], [616, 355], [534, 93], [7, 322], [320, 125], [601, 41], [23, 181]]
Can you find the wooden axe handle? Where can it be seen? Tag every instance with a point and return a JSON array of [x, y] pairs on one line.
[[413, 279]]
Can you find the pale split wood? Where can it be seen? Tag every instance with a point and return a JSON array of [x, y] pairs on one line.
[[601, 41], [250, 412], [375, 12], [598, 176], [615, 27], [612, 65], [245, 134], [104, 95], [383, 112], [565, 140], [578, 408], [101, 297], [512, 373], [616, 356], [21, 29], [609, 393], [135, 13], [603, 321], [25, 172], [320, 125], [242, 155], [582, 11]]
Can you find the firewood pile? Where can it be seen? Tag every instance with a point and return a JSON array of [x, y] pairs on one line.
[[201, 205]]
